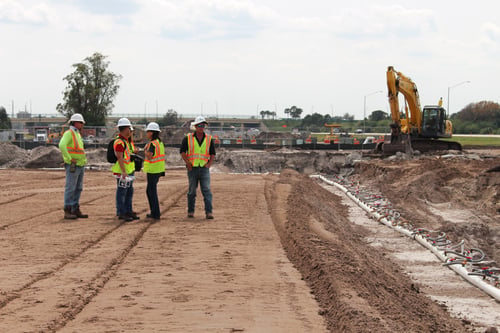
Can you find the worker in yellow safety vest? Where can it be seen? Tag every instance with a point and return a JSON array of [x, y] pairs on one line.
[[73, 153], [124, 169], [198, 152], [154, 167]]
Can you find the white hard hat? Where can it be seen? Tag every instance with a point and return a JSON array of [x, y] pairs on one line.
[[124, 122], [152, 126], [199, 120], [77, 117]]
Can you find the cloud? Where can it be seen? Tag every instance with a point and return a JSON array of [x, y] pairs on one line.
[[14, 12], [205, 20], [384, 22], [108, 7], [490, 36]]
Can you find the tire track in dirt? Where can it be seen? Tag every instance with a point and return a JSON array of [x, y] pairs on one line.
[[37, 215], [229, 274], [17, 199], [51, 300], [43, 213]]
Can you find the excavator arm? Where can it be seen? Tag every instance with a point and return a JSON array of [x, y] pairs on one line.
[[398, 82]]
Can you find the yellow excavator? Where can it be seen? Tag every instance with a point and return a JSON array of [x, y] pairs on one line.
[[416, 129]]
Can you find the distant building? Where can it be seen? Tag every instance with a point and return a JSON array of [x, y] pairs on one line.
[[23, 115]]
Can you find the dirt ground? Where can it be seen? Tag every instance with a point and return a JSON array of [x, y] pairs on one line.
[[283, 254]]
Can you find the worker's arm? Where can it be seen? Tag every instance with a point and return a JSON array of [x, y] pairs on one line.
[[183, 150], [119, 157], [212, 154], [209, 163], [63, 146], [189, 166], [149, 151]]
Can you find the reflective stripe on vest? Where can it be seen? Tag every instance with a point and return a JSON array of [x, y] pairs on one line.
[[198, 155], [129, 165], [157, 163], [75, 149]]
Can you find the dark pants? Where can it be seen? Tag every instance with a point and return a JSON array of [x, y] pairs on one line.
[[202, 176], [152, 193], [124, 199]]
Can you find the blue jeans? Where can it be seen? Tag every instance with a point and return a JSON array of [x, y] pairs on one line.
[[152, 194], [74, 187], [124, 197], [201, 175]]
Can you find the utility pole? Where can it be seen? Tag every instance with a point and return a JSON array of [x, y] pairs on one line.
[[448, 102]]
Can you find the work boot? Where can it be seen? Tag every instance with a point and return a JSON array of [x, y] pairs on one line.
[[125, 218], [68, 215], [133, 215], [79, 214]]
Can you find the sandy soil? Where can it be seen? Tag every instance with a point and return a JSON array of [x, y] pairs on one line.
[[283, 254]]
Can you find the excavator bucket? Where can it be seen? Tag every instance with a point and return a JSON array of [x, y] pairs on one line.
[[394, 144]]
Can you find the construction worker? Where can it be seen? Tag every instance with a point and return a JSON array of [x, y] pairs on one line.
[[73, 153], [198, 152], [124, 169], [154, 167]]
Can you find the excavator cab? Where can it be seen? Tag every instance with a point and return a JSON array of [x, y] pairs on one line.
[[434, 123]]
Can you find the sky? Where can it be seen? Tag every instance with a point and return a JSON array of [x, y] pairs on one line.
[[238, 57]]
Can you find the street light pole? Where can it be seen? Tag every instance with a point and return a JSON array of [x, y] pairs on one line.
[[364, 108], [448, 101]]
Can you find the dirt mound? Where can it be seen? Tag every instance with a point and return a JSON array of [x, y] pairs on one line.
[[274, 161], [9, 152], [454, 194], [39, 157]]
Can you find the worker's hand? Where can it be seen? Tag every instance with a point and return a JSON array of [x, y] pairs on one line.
[[189, 166], [208, 165], [73, 160], [123, 175]]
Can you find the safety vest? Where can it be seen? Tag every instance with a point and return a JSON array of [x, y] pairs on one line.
[[72, 143], [129, 164], [198, 155], [157, 163], [132, 146]]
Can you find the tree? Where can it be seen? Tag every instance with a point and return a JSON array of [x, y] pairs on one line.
[[347, 117], [90, 90], [378, 115], [481, 111], [170, 118], [4, 119], [267, 114], [294, 112], [287, 112]]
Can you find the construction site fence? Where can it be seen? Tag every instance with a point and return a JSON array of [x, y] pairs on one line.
[[233, 143]]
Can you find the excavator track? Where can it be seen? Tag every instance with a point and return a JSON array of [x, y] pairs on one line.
[[422, 145], [425, 146]]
